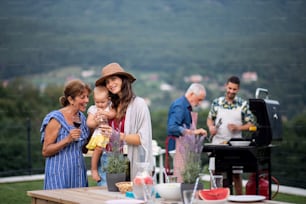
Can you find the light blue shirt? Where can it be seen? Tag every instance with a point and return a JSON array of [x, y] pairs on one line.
[[67, 168]]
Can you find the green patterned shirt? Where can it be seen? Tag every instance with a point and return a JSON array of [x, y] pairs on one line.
[[246, 114]]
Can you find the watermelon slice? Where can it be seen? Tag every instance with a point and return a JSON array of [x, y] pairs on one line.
[[148, 180], [214, 194], [139, 180]]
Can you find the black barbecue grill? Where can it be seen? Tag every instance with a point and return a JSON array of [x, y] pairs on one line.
[[256, 157], [267, 113]]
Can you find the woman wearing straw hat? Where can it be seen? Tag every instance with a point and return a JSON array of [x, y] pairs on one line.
[[132, 115]]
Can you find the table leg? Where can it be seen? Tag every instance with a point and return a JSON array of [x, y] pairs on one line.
[[161, 169], [230, 181]]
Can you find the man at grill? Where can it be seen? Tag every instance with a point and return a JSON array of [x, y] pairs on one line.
[[229, 115]]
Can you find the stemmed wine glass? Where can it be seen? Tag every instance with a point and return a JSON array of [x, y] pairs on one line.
[[76, 121]]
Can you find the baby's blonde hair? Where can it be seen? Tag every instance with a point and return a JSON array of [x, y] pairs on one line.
[[100, 89]]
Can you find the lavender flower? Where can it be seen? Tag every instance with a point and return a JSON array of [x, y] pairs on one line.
[[191, 145], [191, 149], [115, 141], [117, 163]]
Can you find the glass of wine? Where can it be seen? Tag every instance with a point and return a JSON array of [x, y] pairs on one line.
[[76, 121]]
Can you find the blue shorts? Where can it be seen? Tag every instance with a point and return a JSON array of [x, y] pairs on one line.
[[102, 164]]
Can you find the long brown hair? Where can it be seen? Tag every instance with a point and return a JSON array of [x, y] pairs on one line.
[[127, 95]]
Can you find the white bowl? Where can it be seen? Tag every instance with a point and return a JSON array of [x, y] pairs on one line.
[[169, 191], [240, 143]]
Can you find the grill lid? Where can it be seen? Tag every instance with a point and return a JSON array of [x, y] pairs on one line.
[[268, 118]]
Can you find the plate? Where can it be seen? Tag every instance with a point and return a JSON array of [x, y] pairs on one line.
[[197, 201], [246, 198], [211, 144], [124, 201], [240, 143], [170, 202]]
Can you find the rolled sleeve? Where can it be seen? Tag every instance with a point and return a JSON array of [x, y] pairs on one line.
[[176, 119]]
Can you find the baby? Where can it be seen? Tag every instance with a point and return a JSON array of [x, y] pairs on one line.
[[98, 114]]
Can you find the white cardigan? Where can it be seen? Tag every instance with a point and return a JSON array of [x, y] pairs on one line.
[[138, 120]]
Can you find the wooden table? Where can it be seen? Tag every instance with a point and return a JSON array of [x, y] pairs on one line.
[[89, 195]]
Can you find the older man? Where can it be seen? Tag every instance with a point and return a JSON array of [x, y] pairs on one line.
[[180, 123]]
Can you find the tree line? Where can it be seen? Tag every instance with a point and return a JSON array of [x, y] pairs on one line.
[[23, 106]]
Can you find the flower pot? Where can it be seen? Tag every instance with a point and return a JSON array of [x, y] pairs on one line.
[[189, 186], [112, 179]]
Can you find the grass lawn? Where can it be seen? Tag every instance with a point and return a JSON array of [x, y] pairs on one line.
[[16, 193]]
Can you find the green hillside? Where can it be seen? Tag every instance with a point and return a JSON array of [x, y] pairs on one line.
[[214, 38], [44, 43]]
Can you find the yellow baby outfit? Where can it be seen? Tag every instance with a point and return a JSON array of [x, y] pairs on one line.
[[97, 139]]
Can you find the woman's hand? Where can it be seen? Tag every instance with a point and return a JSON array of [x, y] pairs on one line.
[[106, 130], [75, 134]]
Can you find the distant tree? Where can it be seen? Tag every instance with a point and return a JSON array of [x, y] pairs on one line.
[[299, 126]]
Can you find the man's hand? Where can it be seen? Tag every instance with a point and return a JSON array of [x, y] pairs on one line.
[[233, 127], [200, 131], [212, 130]]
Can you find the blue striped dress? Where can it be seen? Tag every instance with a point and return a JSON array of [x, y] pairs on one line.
[[67, 168]]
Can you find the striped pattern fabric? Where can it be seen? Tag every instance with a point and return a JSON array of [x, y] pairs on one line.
[[67, 168], [179, 162]]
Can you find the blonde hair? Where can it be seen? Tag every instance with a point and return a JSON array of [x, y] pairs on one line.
[[100, 89]]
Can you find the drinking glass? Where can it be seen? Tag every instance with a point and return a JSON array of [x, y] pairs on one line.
[[172, 179], [216, 181], [187, 196], [76, 121], [103, 121]]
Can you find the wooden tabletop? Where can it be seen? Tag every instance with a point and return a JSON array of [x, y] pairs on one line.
[[92, 195]]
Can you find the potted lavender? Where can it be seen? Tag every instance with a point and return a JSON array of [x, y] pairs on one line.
[[117, 164], [191, 150]]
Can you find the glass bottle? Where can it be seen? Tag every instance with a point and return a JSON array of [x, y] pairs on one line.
[[143, 183], [125, 154]]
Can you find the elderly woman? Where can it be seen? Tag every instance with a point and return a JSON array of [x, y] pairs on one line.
[[63, 139]]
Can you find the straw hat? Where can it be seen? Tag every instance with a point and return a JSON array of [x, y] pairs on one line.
[[113, 69]]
